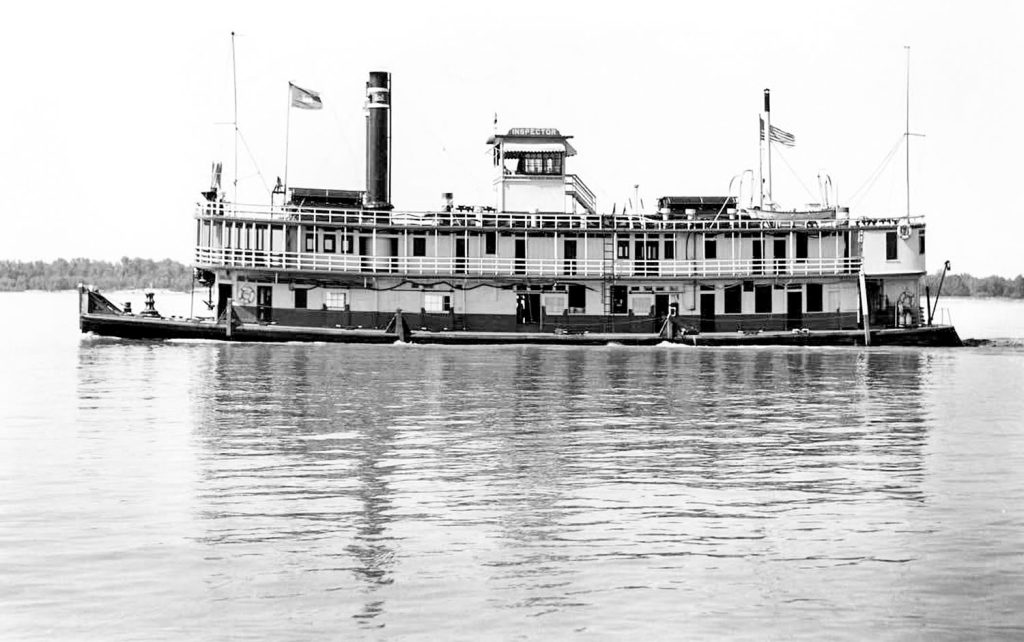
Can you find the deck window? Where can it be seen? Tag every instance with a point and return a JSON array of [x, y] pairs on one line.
[[490, 242], [710, 247], [670, 248], [891, 249], [733, 299], [622, 251], [920, 242], [346, 243], [437, 302], [554, 303], [419, 246], [335, 299], [763, 298], [814, 298], [310, 244], [641, 304], [330, 243], [300, 299]]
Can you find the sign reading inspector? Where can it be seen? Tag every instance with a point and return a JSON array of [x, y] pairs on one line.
[[533, 131]]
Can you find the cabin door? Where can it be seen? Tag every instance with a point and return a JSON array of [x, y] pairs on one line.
[[707, 311], [570, 257], [651, 259], [520, 262], [794, 309], [661, 305], [620, 299], [779, 252], [527, 308], [264, 303], [223, 294], [758, 256], [365, 260], [393, 255], [460, 256]]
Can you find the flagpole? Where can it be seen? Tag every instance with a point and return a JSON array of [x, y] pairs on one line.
[[760, 160], [768, 140], [907, 132], [234, 83], [287, 134]]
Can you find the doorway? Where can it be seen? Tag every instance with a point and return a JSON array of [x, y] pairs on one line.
[[365, 259], [661, 305], [794, 309], [393, 254], [779, 252], [460, 256], [264, 303], [569, 266], [223, 294], [520, 260], [527, 308], [620, 300], [651, 258], [707, 311]]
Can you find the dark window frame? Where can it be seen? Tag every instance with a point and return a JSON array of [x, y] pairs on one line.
[[309, 242], [815, 297], [330, 243], [763, 295], [622, 249], [801, 246], [734, 299], [712, 243], [419, 246], [892, 250]]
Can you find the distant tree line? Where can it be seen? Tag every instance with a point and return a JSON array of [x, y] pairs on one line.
[[64, 274], [967, 285], [128, 274]]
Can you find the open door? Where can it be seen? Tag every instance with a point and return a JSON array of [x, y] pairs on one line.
[[794, 309], [707, 311], [224, 292]]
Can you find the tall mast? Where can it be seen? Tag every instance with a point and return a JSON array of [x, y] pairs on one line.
[[767, 134], [906, 133], [234, 83]]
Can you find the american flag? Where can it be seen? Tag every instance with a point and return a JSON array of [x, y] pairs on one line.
[[779, 135]]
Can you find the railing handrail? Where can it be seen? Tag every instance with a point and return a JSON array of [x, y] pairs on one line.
[[549, 220], [506, 266]]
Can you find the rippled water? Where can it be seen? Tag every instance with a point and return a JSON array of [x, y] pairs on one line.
[[211, 491]]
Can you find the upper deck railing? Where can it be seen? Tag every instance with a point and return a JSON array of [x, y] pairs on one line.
[[446, 266], [741, 222]]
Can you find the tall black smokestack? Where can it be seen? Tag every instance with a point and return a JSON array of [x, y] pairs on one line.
[[378, 140]]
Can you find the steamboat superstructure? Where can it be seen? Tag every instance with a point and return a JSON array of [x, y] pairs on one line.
[[543, 263]]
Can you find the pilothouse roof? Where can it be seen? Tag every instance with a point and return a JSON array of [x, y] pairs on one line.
[[532, 139]]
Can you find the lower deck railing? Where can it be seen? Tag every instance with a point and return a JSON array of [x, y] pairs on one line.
[[524, 267]]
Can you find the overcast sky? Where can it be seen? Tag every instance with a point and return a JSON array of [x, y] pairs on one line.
[[113, 112]]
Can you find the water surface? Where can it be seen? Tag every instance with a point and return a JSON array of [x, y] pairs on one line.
[[204, 490]]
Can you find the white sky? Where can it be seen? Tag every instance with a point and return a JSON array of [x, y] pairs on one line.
[[109, 120]]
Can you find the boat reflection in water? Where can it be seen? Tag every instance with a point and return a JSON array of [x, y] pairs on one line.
[[472, 483]]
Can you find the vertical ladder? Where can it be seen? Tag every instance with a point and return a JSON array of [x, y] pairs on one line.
[[608, 273]]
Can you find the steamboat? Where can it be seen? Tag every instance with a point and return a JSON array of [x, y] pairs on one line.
[[542, 264]]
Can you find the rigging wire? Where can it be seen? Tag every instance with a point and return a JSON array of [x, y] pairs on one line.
[[795, 175], [873, 177], [254, 164]]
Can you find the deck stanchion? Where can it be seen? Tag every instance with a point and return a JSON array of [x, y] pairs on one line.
[[229, 313]]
